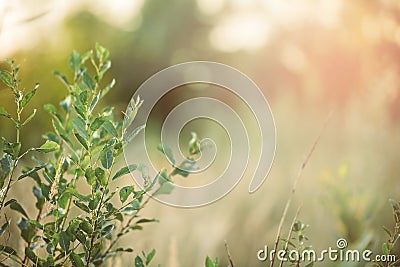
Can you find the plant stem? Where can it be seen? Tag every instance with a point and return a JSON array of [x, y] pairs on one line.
[[294, 187], [290, 232], [229, 254]]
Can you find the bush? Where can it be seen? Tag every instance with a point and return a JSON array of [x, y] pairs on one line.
[[84, 145]]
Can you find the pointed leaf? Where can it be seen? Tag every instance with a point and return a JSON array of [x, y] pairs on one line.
[[7, 78], [96, 124], [82, 141], [79, 126], [4, 228], [30, 117], [134, 133], [49, 146], [109, 127], [6, 164], [125, 170], [138, 262], [29, 96], [107, 158], [11, 149], [27, 229], [31, 171], [75, 61], [4, 113], [101, 176], [62, 78], [150, 256], [76, 260], [17, 207], [125, 192]]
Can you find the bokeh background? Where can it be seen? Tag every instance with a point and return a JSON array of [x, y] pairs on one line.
[[309, 57]]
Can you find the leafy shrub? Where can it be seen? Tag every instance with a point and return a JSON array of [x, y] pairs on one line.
[[84, 145]]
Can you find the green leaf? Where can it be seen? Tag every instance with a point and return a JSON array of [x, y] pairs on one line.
[[4, 228], [37, 192], [4, 113], [82, 141], [211, 263], [96, 124], [138, 262], [125, 170], [90, 176], [30, 117], [165, 189], [66, 104], [396, 210], [194, 144], [80, 236], [62, 78], [132, 110], [106, 66], [86, 227], [385, 248], [88, 81], [109, 127], [79, 125], [146, 221], [7, 79], [101, 176], [11, 149], [8, 250], [101, 52], [84, 97], [107, 158], [17, 207], [125, 192], [31, 255], [49, 146], [387, 231], [64, 199], [50, 108], [6, 164], [107, 88], [82, 206], [94, 103], [75, 61], [27, 229], [31, 171], [76, 260], [150, 256], [134, 133], [64, 240], [29, 96]]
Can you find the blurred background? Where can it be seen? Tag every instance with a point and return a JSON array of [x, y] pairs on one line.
[[309, 57]]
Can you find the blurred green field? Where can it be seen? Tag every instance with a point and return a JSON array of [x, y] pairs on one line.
[[310, 58]]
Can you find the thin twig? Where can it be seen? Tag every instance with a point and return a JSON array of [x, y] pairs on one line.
[[294, 187], [229, 255], [290, 232]]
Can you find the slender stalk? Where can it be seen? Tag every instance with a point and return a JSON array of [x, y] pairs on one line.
[[229, 255], [290, 232], [294, 187]]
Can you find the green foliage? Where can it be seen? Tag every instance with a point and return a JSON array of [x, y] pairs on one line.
[[297, 241], [84, 145], [211, 263], [392, 244]]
